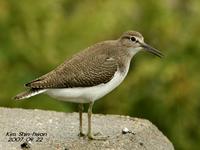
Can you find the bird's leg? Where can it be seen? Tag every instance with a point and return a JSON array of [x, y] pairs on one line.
[[90, 135], [80, 106], [89, 120]]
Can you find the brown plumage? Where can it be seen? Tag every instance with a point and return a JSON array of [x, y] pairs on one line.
[[94, 66]]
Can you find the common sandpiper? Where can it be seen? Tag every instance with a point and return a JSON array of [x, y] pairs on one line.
[[90, 74]]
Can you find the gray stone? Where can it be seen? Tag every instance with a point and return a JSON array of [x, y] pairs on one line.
[[51, 130]]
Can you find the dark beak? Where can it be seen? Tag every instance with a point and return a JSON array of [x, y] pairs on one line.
[[152, 50]]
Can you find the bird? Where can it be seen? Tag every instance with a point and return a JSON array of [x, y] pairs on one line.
[[90, 74]]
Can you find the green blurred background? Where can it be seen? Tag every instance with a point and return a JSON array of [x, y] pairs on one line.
[[36, 36]]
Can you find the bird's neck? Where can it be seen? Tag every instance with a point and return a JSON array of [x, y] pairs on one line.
[[133, 51]]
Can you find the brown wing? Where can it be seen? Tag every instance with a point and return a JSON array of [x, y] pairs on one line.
[[78, 72]]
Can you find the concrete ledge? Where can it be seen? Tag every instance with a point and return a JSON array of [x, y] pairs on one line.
[[49, 130]]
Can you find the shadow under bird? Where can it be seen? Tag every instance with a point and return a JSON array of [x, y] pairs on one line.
[[90, 74]]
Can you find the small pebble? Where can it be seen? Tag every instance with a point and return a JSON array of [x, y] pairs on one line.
[[25, 145], [141, 144], [125, 130]]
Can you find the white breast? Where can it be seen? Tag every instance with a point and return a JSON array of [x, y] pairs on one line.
[[87, 94]]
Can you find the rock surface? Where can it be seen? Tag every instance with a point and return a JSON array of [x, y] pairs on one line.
[[49, 130]]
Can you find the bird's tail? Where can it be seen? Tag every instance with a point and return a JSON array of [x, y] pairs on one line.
[[29, 93]]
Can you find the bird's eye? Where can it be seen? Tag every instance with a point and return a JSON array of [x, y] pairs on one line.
[[133, 39]]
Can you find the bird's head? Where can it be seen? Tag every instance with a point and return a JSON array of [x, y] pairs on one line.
[[134, 41]]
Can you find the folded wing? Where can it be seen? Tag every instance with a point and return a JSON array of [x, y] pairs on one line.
[[78, 72]]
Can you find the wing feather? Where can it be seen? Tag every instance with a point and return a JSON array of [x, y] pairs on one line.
[[78, 72]]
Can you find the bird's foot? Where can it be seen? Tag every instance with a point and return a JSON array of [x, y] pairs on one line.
[[97, 136], [81, 134]]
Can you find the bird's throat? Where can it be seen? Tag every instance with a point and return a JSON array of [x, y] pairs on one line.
[[133, 51]]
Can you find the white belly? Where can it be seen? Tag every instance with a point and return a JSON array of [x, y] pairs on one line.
[[87, 94]]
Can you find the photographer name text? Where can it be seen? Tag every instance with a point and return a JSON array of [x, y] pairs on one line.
[[25, 136]]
